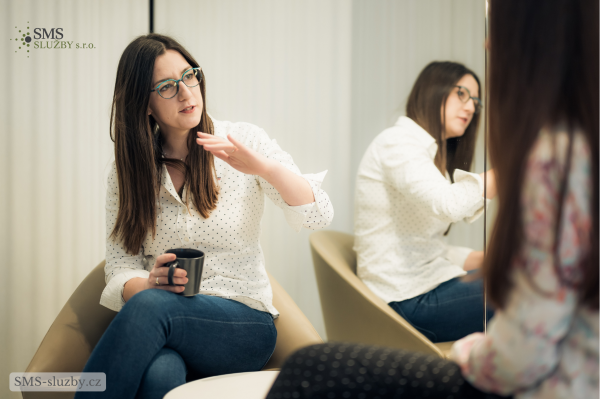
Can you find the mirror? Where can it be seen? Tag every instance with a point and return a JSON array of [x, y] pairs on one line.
[[392, 43], [324, 79]]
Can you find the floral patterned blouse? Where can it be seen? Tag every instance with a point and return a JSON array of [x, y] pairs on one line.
[[543, 344]]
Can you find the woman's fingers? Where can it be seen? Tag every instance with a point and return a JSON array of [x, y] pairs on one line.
[[217, 146], [164, 258], [215, 143], [221, 155], [209, 138], [227, 147], [176, 280], [235, 142], [240, 146], [160, 271]]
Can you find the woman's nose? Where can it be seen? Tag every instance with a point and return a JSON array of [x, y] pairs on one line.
[[184, 91], [470, 106]]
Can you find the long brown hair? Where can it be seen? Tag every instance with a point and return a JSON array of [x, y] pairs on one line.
[[138, 145], [427, 97], [544, 70]]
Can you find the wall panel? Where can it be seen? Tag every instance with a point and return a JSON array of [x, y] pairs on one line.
[[55, 153]]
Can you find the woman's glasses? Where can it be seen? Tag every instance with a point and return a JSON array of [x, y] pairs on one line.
[[170, 87], [464, 95]]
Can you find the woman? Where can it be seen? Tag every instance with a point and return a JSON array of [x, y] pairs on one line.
[[166, 190], [412, 185], [542, 264]]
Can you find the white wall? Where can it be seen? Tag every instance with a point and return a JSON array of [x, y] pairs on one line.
[[322, 77], [54, 118]]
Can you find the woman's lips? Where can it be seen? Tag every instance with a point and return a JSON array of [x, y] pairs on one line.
[[188, 111], [464, 120]]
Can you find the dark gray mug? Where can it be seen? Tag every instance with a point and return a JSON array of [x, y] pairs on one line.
[[190, 260]]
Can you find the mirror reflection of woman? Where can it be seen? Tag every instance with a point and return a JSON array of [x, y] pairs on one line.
[[413, 183], [182, 179]]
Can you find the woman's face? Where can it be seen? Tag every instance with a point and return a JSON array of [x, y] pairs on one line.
[[169, 113], [458, 114]]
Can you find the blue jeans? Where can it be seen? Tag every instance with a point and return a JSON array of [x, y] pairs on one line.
[[452, 310], [159, 338]]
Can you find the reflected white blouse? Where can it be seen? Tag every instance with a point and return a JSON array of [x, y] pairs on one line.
[[403, 207], [234, 265]]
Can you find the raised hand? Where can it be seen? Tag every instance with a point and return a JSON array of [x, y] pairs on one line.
[[234, 153]]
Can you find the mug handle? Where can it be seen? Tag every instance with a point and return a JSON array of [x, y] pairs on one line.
[[171, 265]]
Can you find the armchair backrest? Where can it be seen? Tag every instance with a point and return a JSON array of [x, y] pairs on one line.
[[352, 312]]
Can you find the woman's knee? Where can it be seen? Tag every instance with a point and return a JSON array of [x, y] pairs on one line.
[[166, 364], [166, 371]]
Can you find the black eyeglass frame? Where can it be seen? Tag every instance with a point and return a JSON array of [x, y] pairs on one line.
[[176, 82], [476, 100]]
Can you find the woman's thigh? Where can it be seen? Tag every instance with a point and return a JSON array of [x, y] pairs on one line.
[[449, 312], [213, 335], [340, 370]]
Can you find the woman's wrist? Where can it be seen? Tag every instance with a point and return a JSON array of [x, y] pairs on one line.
[[294, 189], [268, 169], [132, 287]]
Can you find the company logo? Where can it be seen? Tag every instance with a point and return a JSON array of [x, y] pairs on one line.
[[22, 39], [44, 38]]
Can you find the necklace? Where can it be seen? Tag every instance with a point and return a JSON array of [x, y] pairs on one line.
[[164, 154]]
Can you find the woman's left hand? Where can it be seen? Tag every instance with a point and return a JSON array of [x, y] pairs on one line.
[[234, 153], [474, 261]]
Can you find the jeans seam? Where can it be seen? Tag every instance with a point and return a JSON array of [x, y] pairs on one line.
[[218, 321], [447, 301], [451, 300], [274, 347]]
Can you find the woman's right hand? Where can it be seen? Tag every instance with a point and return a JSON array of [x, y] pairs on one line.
[[138, 284], [161, 274], [490, 180]]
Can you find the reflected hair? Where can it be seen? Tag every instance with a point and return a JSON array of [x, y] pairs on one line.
[[138, 145], [544, 72], [427, 97]]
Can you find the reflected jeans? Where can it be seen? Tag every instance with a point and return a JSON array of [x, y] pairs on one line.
[[160, 340], [452, 310]]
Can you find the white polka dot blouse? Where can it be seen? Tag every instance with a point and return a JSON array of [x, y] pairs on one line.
[[403, 206], [234, 263]]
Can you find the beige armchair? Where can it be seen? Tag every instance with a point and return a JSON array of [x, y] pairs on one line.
[[82, 321], [352, 312]]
